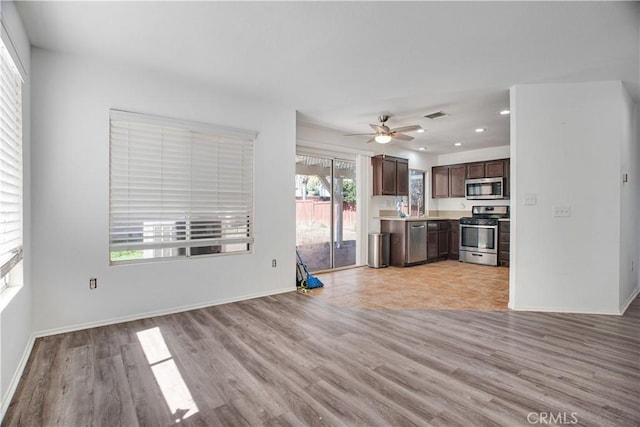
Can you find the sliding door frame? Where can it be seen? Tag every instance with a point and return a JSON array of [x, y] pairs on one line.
[[362, 160]]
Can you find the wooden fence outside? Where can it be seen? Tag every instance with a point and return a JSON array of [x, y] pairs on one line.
[[319, 211]]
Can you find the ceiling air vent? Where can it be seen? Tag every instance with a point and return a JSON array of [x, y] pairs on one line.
[[436, 115]]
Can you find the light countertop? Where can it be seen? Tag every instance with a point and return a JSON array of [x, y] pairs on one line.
[[424, 218], [415, 218]]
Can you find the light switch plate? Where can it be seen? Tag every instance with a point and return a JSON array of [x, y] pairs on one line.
[[530, 199], [561, 211]]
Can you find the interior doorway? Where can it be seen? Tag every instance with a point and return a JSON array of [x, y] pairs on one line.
[[326, 212]]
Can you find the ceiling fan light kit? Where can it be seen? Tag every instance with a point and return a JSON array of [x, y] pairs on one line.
[[383, 134], [382, 139]]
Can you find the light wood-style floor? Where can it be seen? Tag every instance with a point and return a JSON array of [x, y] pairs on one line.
[[443, 285], [294, 360]]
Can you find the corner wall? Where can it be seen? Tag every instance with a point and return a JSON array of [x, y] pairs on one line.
[[566, 144], [16, 336], [630, 202], [71, 101]]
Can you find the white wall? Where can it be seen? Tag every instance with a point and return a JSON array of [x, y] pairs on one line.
[[480, 155], [566, 148], [630, 200], [15, 315], [71, 101]]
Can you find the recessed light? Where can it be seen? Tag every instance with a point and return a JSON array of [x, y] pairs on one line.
[[420, 130], [505, 112], [458, 144], [422, 148], [480, 130]]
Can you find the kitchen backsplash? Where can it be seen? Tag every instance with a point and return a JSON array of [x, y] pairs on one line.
[[462, 204], [386, 213], [389, 204], [450, 214]]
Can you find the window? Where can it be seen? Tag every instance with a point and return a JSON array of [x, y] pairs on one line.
[[11, 170], [416, 193], [178, 189]]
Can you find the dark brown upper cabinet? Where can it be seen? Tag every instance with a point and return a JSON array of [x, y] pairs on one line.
[[457, 175], [402, 177], [390, 176], [494, 169], [440, 181], [448, 181], [475, 170]]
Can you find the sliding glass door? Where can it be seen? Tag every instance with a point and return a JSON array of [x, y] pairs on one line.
[[325, 212], [344, 217]]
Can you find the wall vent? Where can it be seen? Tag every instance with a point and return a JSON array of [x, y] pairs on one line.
[[436, 115]]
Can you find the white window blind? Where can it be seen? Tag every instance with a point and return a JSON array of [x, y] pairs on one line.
[[178, 188], [11, 164]]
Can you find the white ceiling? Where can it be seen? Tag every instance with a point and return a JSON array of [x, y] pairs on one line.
[[341, 64]]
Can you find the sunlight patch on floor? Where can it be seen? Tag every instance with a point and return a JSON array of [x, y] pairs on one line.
[[174, 389]]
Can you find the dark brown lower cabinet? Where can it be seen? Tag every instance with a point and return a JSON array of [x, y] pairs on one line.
[[437, 240], [444, 228], [504, 234], [454, 240], [442, 240], [432, 241]]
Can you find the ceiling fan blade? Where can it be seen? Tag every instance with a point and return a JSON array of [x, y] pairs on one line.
[[358, 134], [372, 140], [379, 129], [402, 137], [403, 129]]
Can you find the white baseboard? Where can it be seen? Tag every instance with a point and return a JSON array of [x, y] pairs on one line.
[[146, 315], [633, 296], [13, 385], [621, 311], [564, 310]]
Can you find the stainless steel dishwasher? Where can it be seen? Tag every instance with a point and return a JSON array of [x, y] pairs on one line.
[[416, 241]]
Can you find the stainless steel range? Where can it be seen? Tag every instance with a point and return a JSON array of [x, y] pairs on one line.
[[479, 234]]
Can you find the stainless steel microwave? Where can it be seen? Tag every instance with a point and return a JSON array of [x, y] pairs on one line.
[[484, 188]]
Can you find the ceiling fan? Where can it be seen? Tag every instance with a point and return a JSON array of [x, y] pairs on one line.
[[383, 134]]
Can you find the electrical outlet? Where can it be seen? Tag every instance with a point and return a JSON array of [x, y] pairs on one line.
[[561, 211], [93, 283], [530, 199], [274, 263]]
